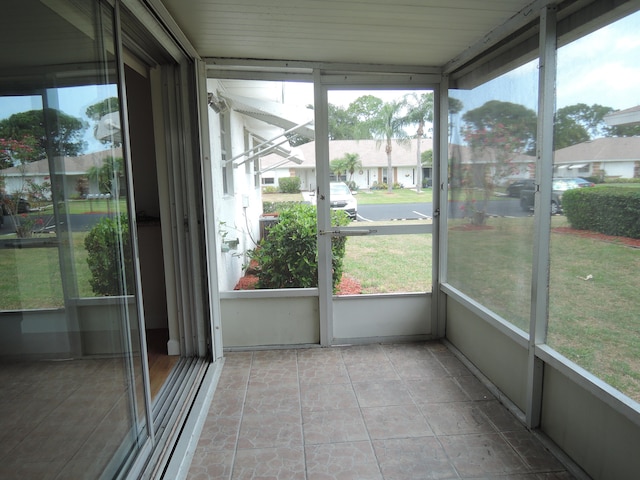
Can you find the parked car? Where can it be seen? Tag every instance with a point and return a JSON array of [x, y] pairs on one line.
[[514, 189], [580, 182], [559, 186], [342, 198], [23, 205]]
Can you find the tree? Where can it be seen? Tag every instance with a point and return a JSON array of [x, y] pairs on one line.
[[420, 111], [16, 152], [352, 163], [100, 109], [389, 126], [107, 176], [50, 129], [338, 167], [354, 121], [497, 133], [581, 122], [497, 121]]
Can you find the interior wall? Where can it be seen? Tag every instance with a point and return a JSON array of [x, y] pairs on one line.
[[498, 357], [377, 316], [601, 440], [147, 202], [261, 321]]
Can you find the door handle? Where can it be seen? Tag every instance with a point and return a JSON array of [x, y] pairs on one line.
[[336, 232]]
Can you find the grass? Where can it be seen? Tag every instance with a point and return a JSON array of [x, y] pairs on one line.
[[401, 195], [365, 197], [390, 263], [593, 323], [86, 206], [31, 276]]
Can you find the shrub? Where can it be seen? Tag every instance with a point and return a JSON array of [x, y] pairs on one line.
[[621, 180], [353, 186], [608, 210], [288, 256], [108, 245], [289, 184], [379, 186], [273, 207], [269, 189]]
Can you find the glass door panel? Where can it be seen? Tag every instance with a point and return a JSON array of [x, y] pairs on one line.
[[73, 396]]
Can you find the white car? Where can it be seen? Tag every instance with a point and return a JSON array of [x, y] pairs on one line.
[[342, 199]]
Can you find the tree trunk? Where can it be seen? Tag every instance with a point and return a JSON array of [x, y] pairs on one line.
[[389, 167]]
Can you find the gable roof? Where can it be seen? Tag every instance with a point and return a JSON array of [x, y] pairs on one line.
[[72, 165], [601, 149]]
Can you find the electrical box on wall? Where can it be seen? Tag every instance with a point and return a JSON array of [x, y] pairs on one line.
[[245, 201]]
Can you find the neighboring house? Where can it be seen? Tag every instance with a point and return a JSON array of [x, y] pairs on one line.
[[610, 157], [502, 169], [38, 172], [371, 154]]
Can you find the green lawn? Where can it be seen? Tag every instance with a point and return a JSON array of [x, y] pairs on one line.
[[391, 263], [365, 197], [592, 322], [401, 195], [31, 276]]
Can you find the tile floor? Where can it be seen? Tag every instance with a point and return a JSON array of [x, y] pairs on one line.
[[393, 412]]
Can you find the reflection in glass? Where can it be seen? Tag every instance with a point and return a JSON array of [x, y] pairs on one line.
[[70, 361], [593, 293], [492, 149]]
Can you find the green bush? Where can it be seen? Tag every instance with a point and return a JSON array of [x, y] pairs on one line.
[[608, 210], [622, 180], [269, 189], [289, 184], [288, 256], [108, 245], [379, 186], [273, 207]]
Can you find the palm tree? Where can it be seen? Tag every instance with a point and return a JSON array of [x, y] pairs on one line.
[[388, 126], [420, 111], [352, 163], [338, 167]]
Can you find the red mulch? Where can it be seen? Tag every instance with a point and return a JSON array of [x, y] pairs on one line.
[[629, 242], [248, 282], [348, 285]]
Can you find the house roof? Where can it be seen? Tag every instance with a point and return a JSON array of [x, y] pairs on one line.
[[628, 116], [601, 149], [72, 165]]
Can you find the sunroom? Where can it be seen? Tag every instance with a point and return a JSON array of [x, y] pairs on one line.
[[215, 102]]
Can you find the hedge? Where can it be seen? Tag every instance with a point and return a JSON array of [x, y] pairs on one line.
[[608, 210], [289, 184]]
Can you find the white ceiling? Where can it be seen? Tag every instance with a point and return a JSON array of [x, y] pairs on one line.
[[387, 32]]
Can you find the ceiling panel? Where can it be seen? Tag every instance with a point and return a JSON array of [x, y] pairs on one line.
[[390, 32]]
